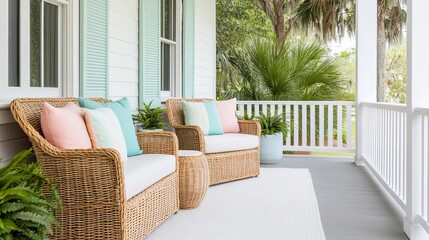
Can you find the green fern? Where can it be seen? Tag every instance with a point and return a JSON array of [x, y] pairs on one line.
[[272, 124], [25, 210], [150, 118]]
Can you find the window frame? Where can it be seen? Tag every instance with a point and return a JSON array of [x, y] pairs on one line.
[[175, 54], [68, 15]]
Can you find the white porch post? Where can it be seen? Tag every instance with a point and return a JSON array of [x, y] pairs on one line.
[[417, 96], [366, 63]]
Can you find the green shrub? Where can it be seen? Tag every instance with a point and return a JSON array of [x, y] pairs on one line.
[[150, 118], [271, 124], [25, 211]]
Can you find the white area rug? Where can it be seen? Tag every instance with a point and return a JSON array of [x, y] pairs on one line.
[[279, 204]]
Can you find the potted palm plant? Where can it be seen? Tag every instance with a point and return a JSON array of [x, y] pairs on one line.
[[149, 118], [26, 212], [273, 128]]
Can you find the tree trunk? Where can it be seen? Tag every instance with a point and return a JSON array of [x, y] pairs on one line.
[[381, 56], [275, 12]]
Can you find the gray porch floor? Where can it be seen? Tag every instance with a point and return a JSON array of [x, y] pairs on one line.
[[352, 206]]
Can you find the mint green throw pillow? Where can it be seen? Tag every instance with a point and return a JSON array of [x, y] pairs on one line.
[[215, 124], [196, 114], [122, 110]]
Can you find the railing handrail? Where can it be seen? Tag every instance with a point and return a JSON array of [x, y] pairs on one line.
[[422, 111], [388, 106], [298, 102]]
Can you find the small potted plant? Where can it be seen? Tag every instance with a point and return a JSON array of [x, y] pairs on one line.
[[26, 212], [150, 119], [273, 128]]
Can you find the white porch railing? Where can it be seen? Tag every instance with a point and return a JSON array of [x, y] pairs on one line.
[[313, 125], [384, 145], [384, 151]]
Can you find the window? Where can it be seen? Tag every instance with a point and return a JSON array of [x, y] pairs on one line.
[[13, 54], [36, 47], [170, 48], [44, 47]]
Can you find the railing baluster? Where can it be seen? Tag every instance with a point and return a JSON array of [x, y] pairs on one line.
[[288, 120], [296, 126], [349, 126], [304, 125], [401, 159], [272, 109], [312, 125], [330, 125], [257, 109], [389, 148], [264, 108], [280, 109], [339, 126], [241, 110], [395, 155], [321, 125], [249, 110]]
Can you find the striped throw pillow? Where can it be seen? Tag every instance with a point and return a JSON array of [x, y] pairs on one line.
[[204, 115]]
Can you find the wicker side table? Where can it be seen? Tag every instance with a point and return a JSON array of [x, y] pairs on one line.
[[194, 178]]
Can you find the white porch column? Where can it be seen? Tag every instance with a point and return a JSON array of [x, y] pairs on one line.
[[417, 96], [366, 63]]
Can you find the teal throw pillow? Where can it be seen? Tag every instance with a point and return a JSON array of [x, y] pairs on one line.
[[215, 124], [122, 110]]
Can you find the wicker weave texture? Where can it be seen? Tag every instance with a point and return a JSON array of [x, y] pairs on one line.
[[91, 182], [152, 207], [194, 180], [223, 167]]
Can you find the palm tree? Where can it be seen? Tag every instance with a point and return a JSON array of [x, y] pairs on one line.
[[297, 70], [331, 19]]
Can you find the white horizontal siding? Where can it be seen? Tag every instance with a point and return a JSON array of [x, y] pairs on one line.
[[123, 50], [12, 138], [205, 49]]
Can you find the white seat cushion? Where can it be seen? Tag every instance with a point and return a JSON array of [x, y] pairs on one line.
[[142, 171], [230, 142]]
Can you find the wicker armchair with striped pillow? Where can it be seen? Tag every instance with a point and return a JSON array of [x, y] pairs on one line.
[[224, 165]]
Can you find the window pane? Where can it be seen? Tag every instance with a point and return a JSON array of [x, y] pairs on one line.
[[35, 12], [165, 67], [13, 43], [50, 45], [168, 19]]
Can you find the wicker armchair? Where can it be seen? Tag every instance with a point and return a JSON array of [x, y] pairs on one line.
[[224, 166], [91, 182]]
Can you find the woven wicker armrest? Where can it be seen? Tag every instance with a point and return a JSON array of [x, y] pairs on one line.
[[250, 127], [91, 185], [158, 142], [190, 137]]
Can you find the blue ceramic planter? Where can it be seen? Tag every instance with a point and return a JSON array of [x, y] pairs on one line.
[[271, 148]]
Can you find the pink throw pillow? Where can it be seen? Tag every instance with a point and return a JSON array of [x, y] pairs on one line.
[[226, 110], [65, 127]]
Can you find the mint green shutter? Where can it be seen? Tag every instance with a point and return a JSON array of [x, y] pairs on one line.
[[94, 48], [188, 48], [149, 51]]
